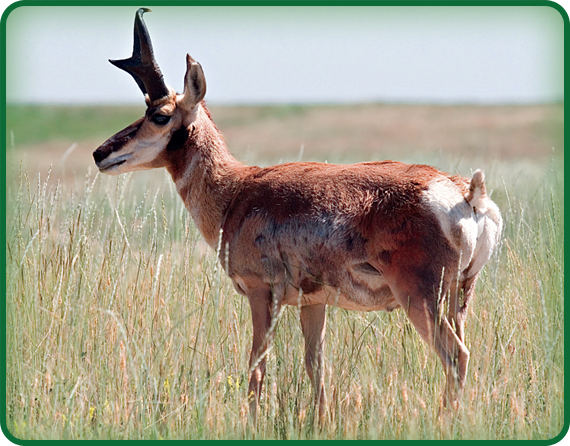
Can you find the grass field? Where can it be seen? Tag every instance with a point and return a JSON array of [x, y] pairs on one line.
[[121, 324]]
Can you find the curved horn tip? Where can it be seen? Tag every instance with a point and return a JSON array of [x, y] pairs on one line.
[[143, 10]]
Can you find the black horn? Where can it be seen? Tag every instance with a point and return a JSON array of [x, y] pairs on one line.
[[142, 65]]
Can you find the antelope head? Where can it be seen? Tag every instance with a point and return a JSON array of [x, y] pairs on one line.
[[142, 145]]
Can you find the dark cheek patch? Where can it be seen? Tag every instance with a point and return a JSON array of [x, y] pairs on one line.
[[178, 139]]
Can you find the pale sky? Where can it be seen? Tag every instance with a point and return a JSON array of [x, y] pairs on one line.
[[256, 55]]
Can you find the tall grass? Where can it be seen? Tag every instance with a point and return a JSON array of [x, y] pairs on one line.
[[121, 324]]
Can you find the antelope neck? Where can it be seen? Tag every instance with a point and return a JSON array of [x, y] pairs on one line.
[[206, 175]]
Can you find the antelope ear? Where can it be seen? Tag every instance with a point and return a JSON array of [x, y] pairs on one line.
[[194, 84]]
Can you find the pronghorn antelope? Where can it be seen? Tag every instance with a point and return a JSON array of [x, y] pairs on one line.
[[368, 236]]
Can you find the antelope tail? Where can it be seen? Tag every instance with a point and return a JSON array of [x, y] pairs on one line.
[[477, 190]]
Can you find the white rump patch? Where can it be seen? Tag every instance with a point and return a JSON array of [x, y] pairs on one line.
[[455, 217]]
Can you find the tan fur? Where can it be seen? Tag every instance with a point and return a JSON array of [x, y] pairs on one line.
[[368, 236]]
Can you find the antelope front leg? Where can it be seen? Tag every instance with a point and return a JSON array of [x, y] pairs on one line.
[[263, 311], [313, 320]]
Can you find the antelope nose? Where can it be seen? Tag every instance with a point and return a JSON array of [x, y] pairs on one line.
[[99, 155]]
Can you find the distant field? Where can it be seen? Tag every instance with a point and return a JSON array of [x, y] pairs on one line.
[[269, 134], [121, 325]]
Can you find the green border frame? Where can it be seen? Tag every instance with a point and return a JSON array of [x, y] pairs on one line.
[[7, 8]]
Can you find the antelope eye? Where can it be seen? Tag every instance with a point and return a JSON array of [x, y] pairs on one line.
[[160, 119]]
